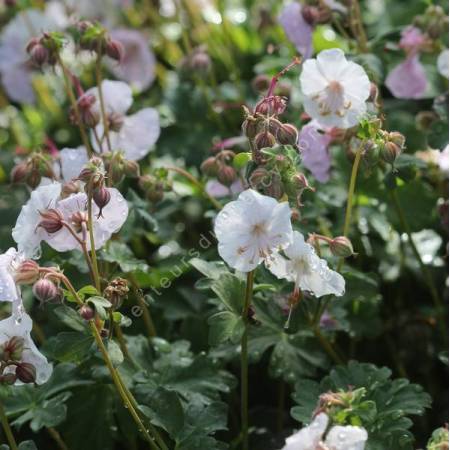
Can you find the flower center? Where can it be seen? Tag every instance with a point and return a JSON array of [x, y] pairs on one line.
[[259, 229], [302, 266], [332, 101]]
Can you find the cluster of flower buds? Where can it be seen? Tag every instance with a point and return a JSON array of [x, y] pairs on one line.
[[116, 291], [31, 170], [197, 63], [11, 353], [155, 185], [45, 49], [89, 115], [95, 38], [117, 167], [332, 402], [221, 167], [433, 22]]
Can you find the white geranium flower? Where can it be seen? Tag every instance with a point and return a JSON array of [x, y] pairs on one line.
[[72, 161], [26, 233], [136, 133], [442, 63], [251, 229], [303, 267], [335, 89], [110, 221], [9, 262], [19, 324], [338, 438]]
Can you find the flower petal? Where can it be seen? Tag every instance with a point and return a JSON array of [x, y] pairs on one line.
[[408, 79], [309, 437], [344, 438], [72, 161]]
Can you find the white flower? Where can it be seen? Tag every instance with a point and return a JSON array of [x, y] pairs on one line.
[[303, 267], [19, 324], [9, 262], [442, 63], [26, 233], [72, 161], [335, 89], [338, 438], [111, 220], [138, 132], [251, 228]]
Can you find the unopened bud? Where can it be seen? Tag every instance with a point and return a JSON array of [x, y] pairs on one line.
[[264, 139], [51, 220], [287, 134], [226, 175], [86, 312], [115, 50], [39, 55], [131, 168], [26, 372], [390, 151], [250, 127], [260, 178], [27, 273], [101, 197], [20, 172], [45, 290], [397, 138], [210, 167], [301, 182], [341, 246], [89, 115], [12, 350], [310, 14]]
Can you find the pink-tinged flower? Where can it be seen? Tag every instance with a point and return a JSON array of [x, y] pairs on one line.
[[251, 229], [338, 437], [297, 29], [138, 64], [19, 324], [335, 90], [408, 79], [134, 135], [442, 63], [412, 40], [218, 190], [313, 145]]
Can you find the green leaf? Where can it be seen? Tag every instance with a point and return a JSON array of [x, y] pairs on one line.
[[240, 160], [225, 325], [69, 317], [115, 353], [69, 346], [231, 291], [100, 304], [211, 269], [120, 253]]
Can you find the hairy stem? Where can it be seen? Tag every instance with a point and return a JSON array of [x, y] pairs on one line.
[[98, 76], [7, 429]]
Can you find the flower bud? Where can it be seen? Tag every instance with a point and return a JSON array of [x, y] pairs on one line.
[[8, 379], [131, 168], [20, 172], [26, 372], [115, 50], [27, 273], [12, 350], [45, 290], [39, 55], [250, 127], [310, 14], [287, 134], [200, 62], [397, 138], [275, 189], [260, 178], [210, 167], [116, 291], [89, 116], [301, 182], [78, 220], [51, 220], [86, 312], [101, 197], [390, 151], [264, 139], [341, 246], [226, 175], [261, 83]]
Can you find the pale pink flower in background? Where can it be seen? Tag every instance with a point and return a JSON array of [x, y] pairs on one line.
[[313, 143], [408, 79], [412, 39], [335, 90], [442, 63], [310, 273], [137, 133], [19, 324], [138, 64], [9, 262], [251, 229], [113, 216], [26, 234], [338, 438], [297, 29], [218, 190]]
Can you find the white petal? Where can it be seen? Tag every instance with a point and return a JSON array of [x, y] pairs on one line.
[[332, 63], [20, 326], [309, 437], [442, 63], [312, 80], [117, 96], [138, 134], [26, 233], [9, 292], [346, 438], [356, 82], [281, 267], [72, 162]]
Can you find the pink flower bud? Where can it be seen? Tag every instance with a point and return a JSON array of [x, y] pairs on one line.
[[27, 273], [20, 172], [26, 372], [341, 246], [115, 50], [310, 14], [210, 166], [250, 127], [390, 152], [45, 290], [12, 350], [287, 134], [226, 175], [264, 139], [86, 312], [39, 55], [101, 197], [51, 220]]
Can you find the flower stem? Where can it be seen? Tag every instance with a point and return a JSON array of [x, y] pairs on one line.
[[57, 438], [92, 242], [351, 192], [425, 270], [73, 101], [7, 429], [244, 360], [98, 76]]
